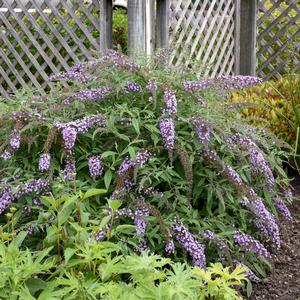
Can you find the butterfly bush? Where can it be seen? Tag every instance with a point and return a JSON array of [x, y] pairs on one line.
[[212, 172]]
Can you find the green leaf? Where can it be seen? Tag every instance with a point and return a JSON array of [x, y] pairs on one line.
[[18, 240], [114, 204], [136, 125], [35, 284], [93, 192], [249, 289], [65, 213], [260, 270], [131, 151], [68, 253], [104, 221], [107, 178], [108, 153], [127, 229]]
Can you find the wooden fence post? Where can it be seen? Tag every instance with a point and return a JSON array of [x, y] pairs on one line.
[[162, 23], [106, 27], [136, 27], [246, 37]]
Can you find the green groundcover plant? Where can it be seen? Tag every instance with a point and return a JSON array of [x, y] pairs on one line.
[[146, 157]]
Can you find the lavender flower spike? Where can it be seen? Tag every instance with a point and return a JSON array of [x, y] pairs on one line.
[[95, 166], [44, 162], [69, 136], [15, 139], [125, 166], [188, 242], [202, 130], [6, 198], [249, 244], [283, 209], [167, 131], [171, 102]]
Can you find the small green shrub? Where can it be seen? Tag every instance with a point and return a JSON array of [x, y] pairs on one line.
[[96, 271]]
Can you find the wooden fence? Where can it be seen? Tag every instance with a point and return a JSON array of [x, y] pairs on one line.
[[278, 37], [42, 37]]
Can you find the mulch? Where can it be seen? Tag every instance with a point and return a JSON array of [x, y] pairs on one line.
[[284, 281]]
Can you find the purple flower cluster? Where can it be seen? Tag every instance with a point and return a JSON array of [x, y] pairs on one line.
[[69, 171], [69, 130], [163, 55], [257, 160], [82, 125], [77, 73], [152, 192], [24, 116], [92, 95], [141, 224], [265, 221], [99, 236], [69, 135], [250, 244], [36, 186], [151, 86], [288, 194], [233, 176], [223, 82], [15, 139], [44, 162], [95, 166], [238, 81], [283, 209], [169, 247], [210, 154], [171, 102], [120, 61], [189, 243], [202, 102], [218, 242], [6, 198], [141, 158], [167, 131], [125, 165], [133, 86], [202, 130], [7, 154]]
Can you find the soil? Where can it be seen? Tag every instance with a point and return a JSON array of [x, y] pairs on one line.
[[284, 281]]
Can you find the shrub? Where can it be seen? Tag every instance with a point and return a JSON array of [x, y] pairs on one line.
[[90, 271], [273, 105], [143, 155]]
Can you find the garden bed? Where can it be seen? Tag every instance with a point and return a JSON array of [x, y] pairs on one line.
[[284, 281]]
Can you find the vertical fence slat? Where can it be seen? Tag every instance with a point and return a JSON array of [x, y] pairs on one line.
[[136, 26], [237, 28], [162, 23], [247, 37], [105, 24]]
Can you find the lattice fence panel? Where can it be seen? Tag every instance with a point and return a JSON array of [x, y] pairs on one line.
[[204, 30], [278, 37], [42, 37]]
